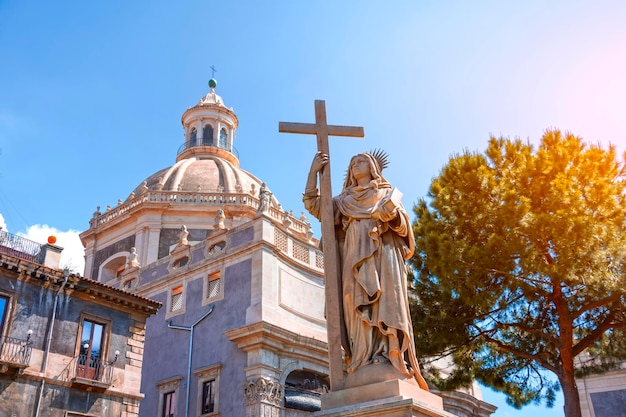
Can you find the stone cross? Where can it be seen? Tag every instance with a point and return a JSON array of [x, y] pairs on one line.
[[334, 296]]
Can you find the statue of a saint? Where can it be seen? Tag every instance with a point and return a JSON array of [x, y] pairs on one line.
[[219, 220], [182, 236], [133, 258], [374, 239], [265, 198]]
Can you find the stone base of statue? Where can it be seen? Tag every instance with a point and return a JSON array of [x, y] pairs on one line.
[[368, 394]]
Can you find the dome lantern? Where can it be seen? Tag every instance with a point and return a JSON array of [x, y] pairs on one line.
[[209, 129]]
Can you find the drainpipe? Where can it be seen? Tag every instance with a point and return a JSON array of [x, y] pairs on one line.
[[190, 330], [44, 364]]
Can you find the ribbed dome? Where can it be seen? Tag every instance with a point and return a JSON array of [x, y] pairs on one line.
[[204, 175]]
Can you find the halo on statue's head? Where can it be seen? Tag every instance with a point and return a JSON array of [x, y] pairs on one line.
[[381, 157], [377, 160]]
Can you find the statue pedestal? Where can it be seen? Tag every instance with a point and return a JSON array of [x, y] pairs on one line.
[[394, 398]]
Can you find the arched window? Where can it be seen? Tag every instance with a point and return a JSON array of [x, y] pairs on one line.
[[207, 135], [192, 138], [112, 267], [303, 390], [222, 142]]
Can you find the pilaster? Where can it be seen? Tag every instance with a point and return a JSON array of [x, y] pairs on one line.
[[263, 397]]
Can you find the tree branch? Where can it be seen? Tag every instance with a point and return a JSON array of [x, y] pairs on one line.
[[521, 354], [594, 335], [596, 304]]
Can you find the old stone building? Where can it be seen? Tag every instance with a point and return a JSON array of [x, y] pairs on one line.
[[242, 329], [602, 395], [70, 346]]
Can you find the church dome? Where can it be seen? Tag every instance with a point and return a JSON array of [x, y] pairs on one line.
[[201, 174], [204, 192], [207, 162]]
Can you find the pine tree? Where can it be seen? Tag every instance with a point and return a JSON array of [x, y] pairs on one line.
[[521, 267]]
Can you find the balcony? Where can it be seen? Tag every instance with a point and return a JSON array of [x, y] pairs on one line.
[[14, 353], [19, 247], [91, 373]]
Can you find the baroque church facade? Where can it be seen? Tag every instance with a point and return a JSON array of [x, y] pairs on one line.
[[242, 328]]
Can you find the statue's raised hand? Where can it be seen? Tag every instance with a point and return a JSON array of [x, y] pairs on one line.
[[319, 160]]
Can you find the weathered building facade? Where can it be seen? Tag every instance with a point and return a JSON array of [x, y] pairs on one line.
[[70, 346]]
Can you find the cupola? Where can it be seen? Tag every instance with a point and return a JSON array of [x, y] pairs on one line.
[[209, 129]]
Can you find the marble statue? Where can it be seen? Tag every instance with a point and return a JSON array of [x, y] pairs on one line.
[[374, 239], [182, 237], [265, 196], [133, 258], [219, 220]]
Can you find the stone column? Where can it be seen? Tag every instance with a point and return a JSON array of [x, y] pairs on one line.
[[263, 397], [198, 133], [152, 247], [141, 245], [216, 134], [90, 253]]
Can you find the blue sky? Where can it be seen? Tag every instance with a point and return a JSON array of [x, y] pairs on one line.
[[91, 94]]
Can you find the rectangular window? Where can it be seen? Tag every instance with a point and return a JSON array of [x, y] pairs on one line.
[[208, 396], [208, 390], [89, 364], [4, 309], [177, 298], [214, 286], [169, 404]]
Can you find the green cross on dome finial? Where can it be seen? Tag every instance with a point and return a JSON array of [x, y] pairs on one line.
[[212, 81]]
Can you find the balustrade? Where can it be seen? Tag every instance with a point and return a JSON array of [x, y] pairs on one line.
[[19, 247], [15, 351], [199, 199], [92, 368]]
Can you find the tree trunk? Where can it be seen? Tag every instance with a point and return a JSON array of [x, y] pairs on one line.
[[570, 395]]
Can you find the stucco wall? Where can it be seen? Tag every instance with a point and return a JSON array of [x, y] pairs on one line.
[[210, 346], [33, 310]]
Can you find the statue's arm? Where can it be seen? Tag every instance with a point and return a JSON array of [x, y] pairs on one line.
[[393, 214], [400, 223], [311, 198]]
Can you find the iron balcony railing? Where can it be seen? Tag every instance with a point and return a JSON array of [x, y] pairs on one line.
[[92, 369], [20, 247], [15, 351]]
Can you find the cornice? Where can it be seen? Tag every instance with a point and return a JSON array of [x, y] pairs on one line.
[[77, 286], [266, 336]]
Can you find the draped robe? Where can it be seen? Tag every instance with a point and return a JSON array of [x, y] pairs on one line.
[[373, 276]]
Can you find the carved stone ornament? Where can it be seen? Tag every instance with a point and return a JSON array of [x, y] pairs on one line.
[[263, 390]]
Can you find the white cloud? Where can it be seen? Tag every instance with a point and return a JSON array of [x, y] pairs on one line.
[[3, 224], [73, 255]]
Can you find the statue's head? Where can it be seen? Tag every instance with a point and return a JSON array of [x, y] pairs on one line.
[[375, 160]]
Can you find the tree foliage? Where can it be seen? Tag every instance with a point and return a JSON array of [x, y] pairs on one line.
[[520, 266]]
